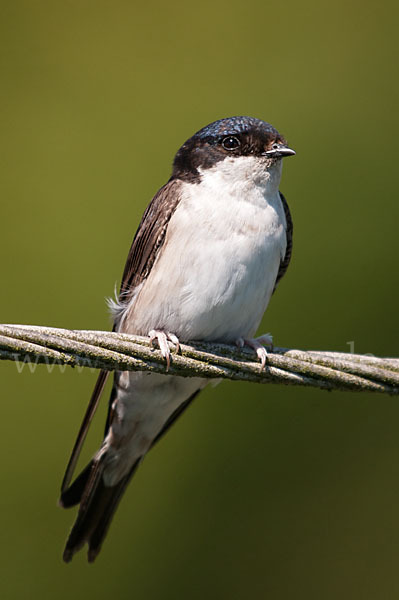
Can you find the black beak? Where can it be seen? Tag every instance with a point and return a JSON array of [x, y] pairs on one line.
[[279, 151]]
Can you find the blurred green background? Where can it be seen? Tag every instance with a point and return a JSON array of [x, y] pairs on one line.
[[258, 492]]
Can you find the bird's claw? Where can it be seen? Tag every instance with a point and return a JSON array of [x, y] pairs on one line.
[[162, 337], [258, 344]]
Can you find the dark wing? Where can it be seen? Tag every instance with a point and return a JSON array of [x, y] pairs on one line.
[[84, 428], [150, 237], [145, 247], [290, 228]]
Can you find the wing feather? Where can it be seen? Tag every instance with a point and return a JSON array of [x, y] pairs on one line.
[[144, 250], [289, 232], [150, 236]]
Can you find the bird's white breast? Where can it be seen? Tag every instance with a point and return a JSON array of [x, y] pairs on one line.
[[212, 280], [216, 271]]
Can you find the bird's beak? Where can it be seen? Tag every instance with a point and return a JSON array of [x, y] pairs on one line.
[[279, 152]]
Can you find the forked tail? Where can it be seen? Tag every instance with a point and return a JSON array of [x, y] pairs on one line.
[[98, 503]]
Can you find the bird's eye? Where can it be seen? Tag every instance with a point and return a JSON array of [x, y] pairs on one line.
[[231, 142], [275, 146]]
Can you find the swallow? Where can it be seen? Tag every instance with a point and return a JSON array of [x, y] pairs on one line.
[[208, 253]]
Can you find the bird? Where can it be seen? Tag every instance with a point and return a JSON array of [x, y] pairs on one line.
[[206, 258]]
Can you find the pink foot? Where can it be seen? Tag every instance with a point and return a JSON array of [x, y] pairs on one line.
[[162, 338], [258, 344]]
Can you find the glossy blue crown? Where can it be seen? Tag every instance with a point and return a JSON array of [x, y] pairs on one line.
[[234, 125]]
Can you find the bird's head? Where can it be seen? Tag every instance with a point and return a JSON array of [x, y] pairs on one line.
[[228, 140]]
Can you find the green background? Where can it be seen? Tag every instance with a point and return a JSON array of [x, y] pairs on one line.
[[258, 492]]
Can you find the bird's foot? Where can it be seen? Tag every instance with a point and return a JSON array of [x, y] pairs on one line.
[[162, 337], [258, 344]]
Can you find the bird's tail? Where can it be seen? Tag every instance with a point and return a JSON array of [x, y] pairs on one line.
[[98, 503]]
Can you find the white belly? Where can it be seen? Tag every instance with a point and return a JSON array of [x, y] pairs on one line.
[[216, 272], [212, 280], [145, 402]]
